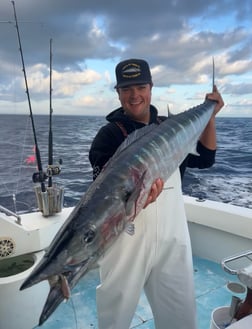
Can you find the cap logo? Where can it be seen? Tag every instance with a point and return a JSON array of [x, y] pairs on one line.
[[131, 70]]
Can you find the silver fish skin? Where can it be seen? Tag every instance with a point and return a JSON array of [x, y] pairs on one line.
[[116, 197]]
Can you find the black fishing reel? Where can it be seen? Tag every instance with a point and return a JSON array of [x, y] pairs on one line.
[[52, 170], [39, 177]]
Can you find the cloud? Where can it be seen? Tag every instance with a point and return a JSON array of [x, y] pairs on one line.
[[178, 38], [68, 83], [238, 89]]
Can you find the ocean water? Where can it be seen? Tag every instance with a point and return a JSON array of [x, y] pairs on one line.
[[229, 180]]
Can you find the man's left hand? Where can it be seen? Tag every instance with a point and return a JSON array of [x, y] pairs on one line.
[[156, 189]]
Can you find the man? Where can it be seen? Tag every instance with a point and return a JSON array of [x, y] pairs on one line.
[[157, 258]]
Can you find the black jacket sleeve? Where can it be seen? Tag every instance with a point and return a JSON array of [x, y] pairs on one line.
[[103, 147], [205, 159]]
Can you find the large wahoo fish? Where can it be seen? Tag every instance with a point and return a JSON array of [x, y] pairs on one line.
[[115, 198]]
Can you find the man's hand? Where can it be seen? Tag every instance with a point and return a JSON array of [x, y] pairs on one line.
[[156, 189], [216, 96], [208, 137]]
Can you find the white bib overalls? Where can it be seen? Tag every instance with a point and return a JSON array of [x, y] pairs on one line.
[[157, 258]]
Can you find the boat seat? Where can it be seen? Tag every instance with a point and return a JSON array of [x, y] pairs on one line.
[[245, 276], [244, 270], [244, 323]]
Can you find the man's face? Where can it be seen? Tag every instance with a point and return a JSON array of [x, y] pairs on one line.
[[135, 101]]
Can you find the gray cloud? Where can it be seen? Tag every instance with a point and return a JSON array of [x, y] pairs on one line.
[[162, 31]]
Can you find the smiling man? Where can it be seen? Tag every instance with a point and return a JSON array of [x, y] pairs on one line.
[[157, 258], [135, 99]]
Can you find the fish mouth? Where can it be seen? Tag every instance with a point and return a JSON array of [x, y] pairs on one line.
[[56, 295], [59, 290]]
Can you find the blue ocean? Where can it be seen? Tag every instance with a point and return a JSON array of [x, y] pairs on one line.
[[228, 181]]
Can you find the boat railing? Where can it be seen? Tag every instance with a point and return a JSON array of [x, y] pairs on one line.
[[8, 212], [234, 264]]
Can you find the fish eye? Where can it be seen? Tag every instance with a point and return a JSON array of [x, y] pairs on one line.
[[89, 235]]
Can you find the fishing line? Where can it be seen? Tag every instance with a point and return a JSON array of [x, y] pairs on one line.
[[13, 192], [22, 157], [74, 312]]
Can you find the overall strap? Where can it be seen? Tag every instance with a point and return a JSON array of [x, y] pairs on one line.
[[123, 130]]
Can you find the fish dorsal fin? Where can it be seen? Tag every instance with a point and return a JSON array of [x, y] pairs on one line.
[[134, 137], [169, 113]]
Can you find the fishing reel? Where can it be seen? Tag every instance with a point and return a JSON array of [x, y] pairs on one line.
[[52, 170], [39, 177]]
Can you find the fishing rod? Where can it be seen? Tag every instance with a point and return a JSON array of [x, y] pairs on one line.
[[50, 137], [40, 176], [213, 81], [52, 169]]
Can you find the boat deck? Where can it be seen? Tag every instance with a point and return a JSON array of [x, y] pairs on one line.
[[80, 311]]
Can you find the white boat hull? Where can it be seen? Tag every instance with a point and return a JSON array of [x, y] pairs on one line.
[[21, 309], [217, 231]]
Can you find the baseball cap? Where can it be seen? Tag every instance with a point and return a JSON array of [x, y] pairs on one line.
[[131, 72]]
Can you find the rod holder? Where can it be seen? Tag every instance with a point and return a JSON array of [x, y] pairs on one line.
[[49, 202]]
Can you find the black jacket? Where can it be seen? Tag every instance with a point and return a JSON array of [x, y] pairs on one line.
[[110, 136]]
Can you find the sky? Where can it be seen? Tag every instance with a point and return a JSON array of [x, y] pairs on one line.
[[178, 38]]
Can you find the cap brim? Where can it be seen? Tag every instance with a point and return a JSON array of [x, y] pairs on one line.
[[127, 84]]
